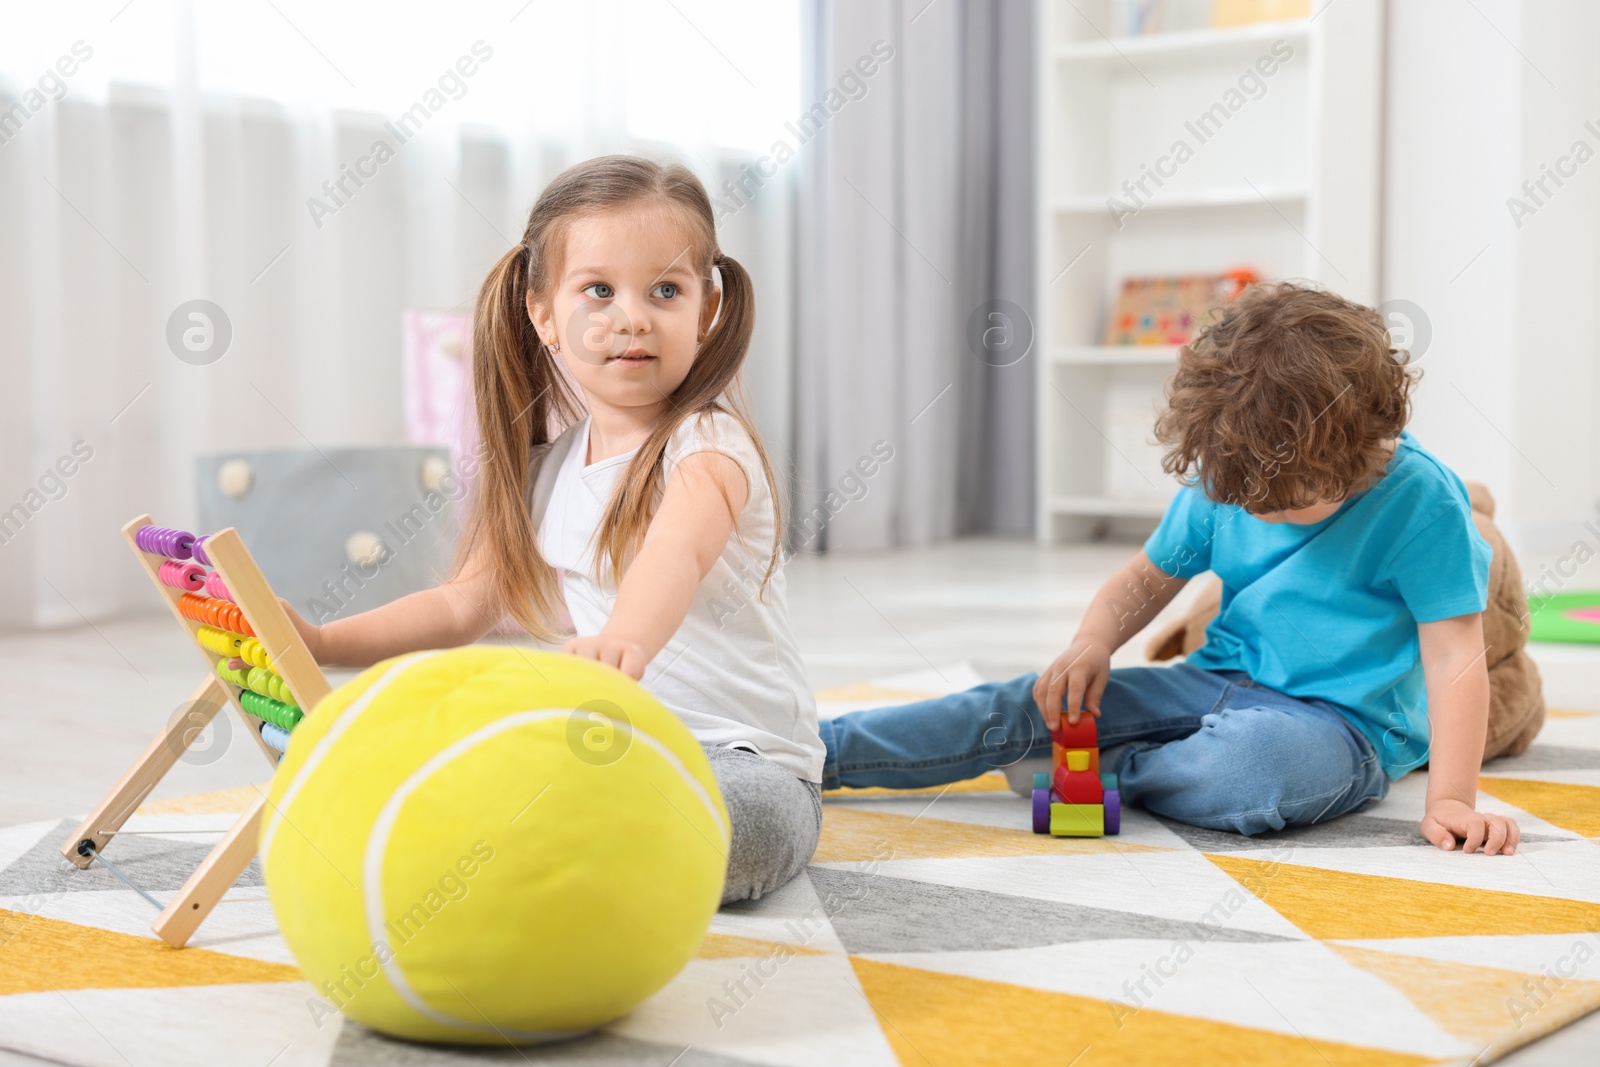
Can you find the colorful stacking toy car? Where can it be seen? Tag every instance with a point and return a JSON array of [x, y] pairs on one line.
[[1075, 799]]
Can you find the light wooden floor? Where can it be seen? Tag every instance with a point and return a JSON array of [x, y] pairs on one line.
[[81, 703]]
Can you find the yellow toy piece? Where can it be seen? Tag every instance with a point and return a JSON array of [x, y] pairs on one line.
[[1077, 820]]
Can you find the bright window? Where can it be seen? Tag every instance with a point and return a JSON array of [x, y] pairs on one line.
[[692, 72]]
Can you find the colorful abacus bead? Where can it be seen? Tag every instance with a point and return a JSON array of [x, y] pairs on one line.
[[219, 640], [189, 577], [199, 550], [274, 711], [216, 587], [251, 652], [216, 612], [231, 676], [268, 684], [164, 541], [275, 736]]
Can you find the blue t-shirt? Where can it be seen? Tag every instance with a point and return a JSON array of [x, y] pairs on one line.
[[1330, 609]]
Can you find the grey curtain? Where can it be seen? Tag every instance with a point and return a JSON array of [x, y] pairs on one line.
[[915, 366]]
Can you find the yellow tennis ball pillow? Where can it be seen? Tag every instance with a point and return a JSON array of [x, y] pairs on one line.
[[492, 845]]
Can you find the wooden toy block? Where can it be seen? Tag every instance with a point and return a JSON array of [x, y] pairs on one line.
[[1075, 790], [1077, 820], [1078, 787], [1083, 735], [1058, 757]]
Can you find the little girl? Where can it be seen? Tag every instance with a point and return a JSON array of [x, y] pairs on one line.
[[658, 500]]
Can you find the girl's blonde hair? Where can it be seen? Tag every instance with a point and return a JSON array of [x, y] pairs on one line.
[[523, 399]]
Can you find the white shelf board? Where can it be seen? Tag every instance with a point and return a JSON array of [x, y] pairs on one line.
[[1116, 355], [1227, 196], [1183, 46], [1108, 505]]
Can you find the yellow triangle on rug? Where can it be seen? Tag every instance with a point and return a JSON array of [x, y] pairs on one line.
[[43, 954], [931, 1017], [1454, 994], [237, 798], [734, 946], [1340, 905], [1571, 807], [854, 835], [992, 782]]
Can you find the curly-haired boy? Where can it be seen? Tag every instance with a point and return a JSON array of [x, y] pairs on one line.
[[1348, 649]]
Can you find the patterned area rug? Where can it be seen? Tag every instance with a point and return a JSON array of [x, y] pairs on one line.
[[931, 928]]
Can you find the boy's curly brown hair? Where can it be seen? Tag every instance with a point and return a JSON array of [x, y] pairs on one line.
[[1287, 400]]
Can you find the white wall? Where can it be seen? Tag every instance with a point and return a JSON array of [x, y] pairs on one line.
[[1478, 98]]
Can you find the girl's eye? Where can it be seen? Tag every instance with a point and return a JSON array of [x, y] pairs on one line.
[[668, 285], [607, 295]]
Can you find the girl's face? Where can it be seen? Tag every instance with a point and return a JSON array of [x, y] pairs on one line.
[[628, 309]]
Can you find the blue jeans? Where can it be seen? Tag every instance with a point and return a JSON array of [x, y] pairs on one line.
[[1209, 748]]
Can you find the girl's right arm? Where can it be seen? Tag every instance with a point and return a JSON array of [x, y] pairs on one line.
[[1127, 601], [456, 612]]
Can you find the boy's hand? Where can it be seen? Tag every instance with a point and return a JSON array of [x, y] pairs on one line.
[[1079, 674], [1449, 819], [626, 656]]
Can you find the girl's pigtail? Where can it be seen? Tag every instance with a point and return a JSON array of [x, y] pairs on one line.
[[738, 315], [519, 398]]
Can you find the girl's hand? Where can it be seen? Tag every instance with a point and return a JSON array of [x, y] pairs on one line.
[[626, 656], [311, 635], [1449, 819], [1080, 675]]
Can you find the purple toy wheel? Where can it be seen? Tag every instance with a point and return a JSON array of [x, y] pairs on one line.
[[1041, 811], [1113, 806]]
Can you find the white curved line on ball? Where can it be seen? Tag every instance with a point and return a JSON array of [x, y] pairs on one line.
[[346, 721]]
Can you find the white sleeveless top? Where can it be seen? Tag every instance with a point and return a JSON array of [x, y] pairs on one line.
[[732, 671]]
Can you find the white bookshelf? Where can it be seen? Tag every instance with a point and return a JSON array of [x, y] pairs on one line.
[[1287, 184]]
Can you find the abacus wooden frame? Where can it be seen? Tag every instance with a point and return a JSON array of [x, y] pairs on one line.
[[291, 660]]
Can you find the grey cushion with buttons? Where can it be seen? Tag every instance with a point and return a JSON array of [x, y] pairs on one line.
[[339, 531]]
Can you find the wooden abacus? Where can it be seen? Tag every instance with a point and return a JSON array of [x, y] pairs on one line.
[[229, 612]]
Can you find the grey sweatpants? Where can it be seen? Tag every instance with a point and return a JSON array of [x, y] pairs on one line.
[[776, 821]]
